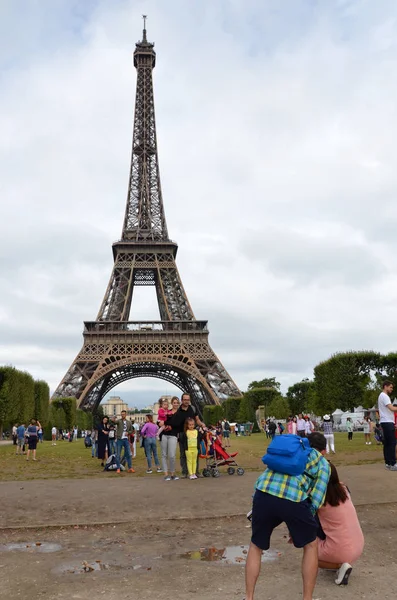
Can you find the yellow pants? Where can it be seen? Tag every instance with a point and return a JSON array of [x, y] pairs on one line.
[[191, 460]]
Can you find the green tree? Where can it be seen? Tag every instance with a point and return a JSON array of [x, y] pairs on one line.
[[41, 401], [269, 382], [231, 407], [300, 395], [341, 381], [212, 414], [279, 408]]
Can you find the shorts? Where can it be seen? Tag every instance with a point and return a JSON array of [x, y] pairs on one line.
[[21, 442], [32, 443], [268, 512], [226, 434]]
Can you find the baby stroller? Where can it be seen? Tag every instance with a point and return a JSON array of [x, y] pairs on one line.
[[216, 456]]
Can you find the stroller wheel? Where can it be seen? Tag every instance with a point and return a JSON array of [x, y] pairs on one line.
[[231, 471], [206, 473], [240, 471], [215, 473]]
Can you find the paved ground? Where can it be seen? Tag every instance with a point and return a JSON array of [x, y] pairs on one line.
[[151, 524]]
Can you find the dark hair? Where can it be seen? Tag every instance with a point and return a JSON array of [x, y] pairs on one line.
[[149, 418], [336, 492], [188, 420], [185, 394], [386, 383], [317, 441]]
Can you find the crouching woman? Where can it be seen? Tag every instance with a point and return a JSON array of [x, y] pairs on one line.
[[344, 540]]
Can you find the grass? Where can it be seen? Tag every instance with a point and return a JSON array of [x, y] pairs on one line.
[[73, 460]]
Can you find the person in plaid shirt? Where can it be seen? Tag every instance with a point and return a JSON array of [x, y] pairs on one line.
[[293, 500]]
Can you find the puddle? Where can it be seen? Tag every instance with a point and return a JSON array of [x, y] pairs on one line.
[[30, 547], [230, 555], [83, 567]]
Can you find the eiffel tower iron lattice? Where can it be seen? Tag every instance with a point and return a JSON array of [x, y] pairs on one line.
[[175, 349]]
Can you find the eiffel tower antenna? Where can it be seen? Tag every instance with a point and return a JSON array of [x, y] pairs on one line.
[[176, 348]]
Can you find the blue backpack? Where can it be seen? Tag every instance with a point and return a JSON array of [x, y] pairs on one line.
[[287, 454]]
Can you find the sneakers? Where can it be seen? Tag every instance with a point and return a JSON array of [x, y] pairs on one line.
[[159, 470], [393, 468], [131, 470], [388, 467], [174, 477], [167, 478], [343, 574], [118, 471], [149, 471]]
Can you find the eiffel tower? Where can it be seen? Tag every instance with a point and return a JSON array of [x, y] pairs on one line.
[[175, 349]]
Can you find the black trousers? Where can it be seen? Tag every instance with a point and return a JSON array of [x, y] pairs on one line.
[[389, 443], [350, 435]]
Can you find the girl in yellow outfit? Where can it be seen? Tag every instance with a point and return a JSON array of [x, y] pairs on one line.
[[190, 442]]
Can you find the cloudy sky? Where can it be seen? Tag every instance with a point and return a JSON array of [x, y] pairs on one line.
[[277, 131]]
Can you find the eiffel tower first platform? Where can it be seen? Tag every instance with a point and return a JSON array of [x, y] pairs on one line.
[[176, 348]]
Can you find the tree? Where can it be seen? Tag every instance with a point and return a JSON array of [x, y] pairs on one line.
[[41, 401], [230, 408], [341, 381], [213, 414], [279, 408], [269, 382], [299, 396]]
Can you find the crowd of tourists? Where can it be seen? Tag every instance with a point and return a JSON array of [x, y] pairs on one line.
[[178, 425], [27, 438]]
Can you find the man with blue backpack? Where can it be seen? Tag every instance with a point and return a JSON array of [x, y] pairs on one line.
[[289, 491]]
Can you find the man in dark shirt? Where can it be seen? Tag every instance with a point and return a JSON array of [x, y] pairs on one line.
[[185, 411]]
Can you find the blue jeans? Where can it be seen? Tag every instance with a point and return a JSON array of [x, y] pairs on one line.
[[127, 453], [94, 449], [112, 446], [151, 446]]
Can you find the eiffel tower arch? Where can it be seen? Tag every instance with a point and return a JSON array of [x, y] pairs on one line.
[[176, 348]]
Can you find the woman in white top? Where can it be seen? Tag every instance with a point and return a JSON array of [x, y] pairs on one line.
[[367, 430], [386, 418]]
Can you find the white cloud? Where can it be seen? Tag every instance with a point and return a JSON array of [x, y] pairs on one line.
[[276, 130]]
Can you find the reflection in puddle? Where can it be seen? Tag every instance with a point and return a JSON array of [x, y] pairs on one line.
[[230, 555], [30, 547]]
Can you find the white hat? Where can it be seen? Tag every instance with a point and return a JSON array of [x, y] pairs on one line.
[[326, 418]]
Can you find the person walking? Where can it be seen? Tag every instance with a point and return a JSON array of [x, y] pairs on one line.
[[349, 429], [309, 427], [226, 433], [169, 440], [14, 434], [272, 429], [343, 541], [33, 436], [21, 439], [329, 433], [149, 434], [124, 428], [300, 426], [386, 418], [54, 436], [367, 430], [293, 500]]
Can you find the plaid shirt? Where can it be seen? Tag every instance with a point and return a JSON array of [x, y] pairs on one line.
[[312, 484]]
